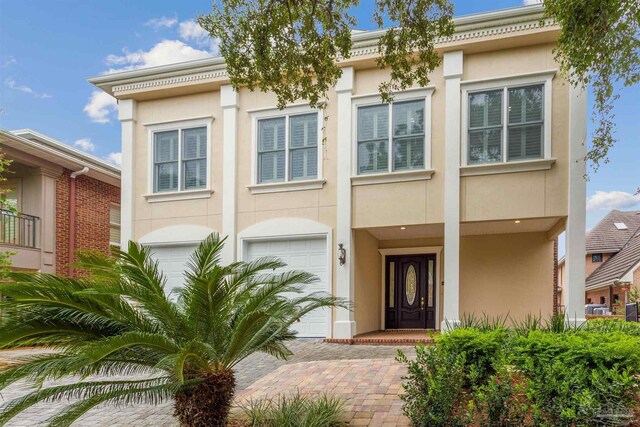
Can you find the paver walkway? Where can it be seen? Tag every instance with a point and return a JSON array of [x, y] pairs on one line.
[[315, 366]]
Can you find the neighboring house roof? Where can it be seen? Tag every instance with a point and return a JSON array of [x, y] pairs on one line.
[[617, 232], [616, 268], [608, 237], [56, 152]]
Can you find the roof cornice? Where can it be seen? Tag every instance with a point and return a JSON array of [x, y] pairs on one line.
[[365, 43]]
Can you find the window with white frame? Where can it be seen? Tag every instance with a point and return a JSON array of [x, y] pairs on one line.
[[506, 124], [114, 225], [404, 139], [180, 159], [287, 148]]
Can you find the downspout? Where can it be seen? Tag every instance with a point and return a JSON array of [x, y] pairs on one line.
[[72, 216]]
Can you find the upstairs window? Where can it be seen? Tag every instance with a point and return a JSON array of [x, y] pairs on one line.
[[180, 159], [596, 257], [506, 124], [404, 139], [288, 148], [114, 225]]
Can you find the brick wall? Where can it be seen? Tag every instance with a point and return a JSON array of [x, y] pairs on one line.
[[93, 199], [591, 266]]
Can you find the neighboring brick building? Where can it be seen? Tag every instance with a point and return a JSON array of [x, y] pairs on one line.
[[68, 201], [612, 260]]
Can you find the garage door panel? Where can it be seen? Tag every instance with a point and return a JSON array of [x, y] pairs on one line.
[[308, 255], [173, 262]]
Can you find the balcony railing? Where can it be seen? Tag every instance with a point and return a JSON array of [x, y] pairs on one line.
[[17, 229]]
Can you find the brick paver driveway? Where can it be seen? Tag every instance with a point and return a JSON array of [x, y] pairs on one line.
[[366, 375]]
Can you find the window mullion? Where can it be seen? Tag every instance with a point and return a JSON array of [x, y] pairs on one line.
[[390, 154], [505, 125], [180, 166], [286, 148]]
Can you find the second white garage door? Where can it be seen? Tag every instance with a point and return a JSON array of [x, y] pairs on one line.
[[172, 261], [308, 255]]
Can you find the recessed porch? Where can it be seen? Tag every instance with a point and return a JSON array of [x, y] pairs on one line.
[[506, 269]]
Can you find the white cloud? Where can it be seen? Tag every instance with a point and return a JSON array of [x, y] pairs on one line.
[[162, 22], [528, 2], [8, 61], [191, 31], [85, 144], [608, 200], [100, 107], [114, 158], [12, 84], [165, 52]]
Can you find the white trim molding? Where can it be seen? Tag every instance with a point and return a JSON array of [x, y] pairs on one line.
[[344, 326], [422, 250], [229, 104], [574, 288], [413, 94], [257, 187], [386, 178], [127, 112], [504, 83], [508, 167], [178, 125], [279, 187], [453, 69], [290, 229], [171, 196]]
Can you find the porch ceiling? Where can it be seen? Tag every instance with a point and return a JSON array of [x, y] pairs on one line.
[[466, 229]]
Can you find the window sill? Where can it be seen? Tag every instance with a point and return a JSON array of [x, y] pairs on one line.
[[171, 196], [390, 177], [280, 187], [508, 167]]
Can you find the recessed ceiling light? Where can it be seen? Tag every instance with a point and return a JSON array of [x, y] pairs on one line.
[[403, 228], [517, 221]]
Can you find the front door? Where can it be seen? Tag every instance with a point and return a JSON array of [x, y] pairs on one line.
[[410, 292]]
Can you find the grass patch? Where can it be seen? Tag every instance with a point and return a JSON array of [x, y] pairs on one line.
[[292, 411]]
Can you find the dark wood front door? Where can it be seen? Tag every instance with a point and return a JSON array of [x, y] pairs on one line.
[[410, 292]]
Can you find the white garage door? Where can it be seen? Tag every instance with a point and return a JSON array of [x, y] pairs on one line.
[[308, 255], [172, 261]]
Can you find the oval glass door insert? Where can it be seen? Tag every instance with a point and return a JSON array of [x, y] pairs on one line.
[[410, 287]]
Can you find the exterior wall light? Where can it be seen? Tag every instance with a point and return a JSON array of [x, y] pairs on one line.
[[342, 254]]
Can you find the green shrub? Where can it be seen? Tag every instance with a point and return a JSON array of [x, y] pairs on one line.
[[501, 401], [293, 411], [433, 387], [480, 349], [537, 374], [613, 325], [579, 378]]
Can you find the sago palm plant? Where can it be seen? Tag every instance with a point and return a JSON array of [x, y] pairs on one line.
[[119, 321]]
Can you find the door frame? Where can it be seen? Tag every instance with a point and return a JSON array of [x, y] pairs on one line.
[[423, 250]]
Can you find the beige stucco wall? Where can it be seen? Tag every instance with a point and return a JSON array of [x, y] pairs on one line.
[[367, 277], [204, 212], [506, 274], [525, 194], [316, 205]]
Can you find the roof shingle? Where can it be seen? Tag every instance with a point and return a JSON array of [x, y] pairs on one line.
[[606, 237]]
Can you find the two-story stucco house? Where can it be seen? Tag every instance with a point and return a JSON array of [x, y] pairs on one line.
[[446, 202]]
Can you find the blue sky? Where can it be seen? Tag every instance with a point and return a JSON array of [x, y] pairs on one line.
[[49, 48]]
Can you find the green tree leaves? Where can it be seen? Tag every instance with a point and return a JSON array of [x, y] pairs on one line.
[[293, 47], [598, 45]]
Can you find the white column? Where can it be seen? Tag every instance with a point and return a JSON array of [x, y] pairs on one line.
[[229, 103], [575, 252], [451, 305], [344, 325], [127, 116]]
